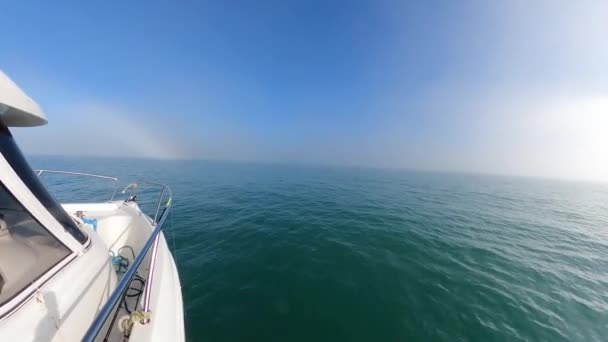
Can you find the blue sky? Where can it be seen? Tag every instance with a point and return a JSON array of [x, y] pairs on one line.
[[513, 87]]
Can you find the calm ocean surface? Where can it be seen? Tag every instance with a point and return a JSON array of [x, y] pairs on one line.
[[297, 253]]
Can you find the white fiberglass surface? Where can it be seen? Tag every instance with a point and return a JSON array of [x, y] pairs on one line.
[[27, 249]]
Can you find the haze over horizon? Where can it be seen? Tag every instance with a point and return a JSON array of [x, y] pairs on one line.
[[507, 87]]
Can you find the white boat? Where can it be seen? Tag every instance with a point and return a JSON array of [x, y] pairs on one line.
[[79, 271]]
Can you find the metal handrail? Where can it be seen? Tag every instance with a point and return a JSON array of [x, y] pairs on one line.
[[40, 172], [124, 283], [163, 188]]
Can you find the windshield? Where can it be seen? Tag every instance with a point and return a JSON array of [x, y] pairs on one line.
[[27, 250], [13, 155]]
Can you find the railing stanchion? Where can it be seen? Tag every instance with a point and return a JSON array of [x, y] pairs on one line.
[[160, 199]]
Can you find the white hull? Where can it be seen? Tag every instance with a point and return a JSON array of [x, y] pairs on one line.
[[65, 306]]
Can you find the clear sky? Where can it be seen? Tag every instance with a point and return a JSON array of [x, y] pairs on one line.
[[513, 86]]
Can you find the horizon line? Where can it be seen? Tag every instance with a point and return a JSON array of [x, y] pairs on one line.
[[326, 165]]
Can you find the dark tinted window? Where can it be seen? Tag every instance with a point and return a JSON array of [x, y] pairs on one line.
[[27, 249], [13, 155]]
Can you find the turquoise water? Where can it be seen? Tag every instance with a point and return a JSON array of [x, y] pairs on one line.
[[297, 253]]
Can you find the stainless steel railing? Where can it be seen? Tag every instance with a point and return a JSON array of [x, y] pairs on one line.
[[163, 189], [69, 173]]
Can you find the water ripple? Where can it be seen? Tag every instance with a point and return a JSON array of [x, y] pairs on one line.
[[304, 253]]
